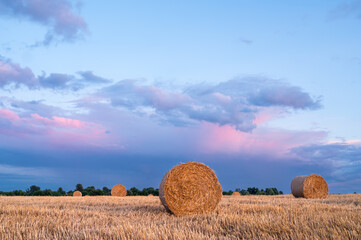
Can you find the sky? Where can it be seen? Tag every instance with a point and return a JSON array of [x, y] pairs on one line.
[[109, 92]]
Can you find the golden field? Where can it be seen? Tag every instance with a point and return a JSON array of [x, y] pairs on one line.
[[243, 217]]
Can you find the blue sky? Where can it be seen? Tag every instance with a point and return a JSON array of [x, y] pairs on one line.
[[119, 92]]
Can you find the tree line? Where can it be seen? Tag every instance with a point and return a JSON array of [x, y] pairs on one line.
[[34, 190], [255, 191]]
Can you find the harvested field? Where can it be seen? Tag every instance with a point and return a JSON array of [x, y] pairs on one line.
[[244, 217]]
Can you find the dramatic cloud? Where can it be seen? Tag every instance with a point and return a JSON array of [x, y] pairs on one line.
[[236, 103], [341, 160], [12, 74], [58, 15]]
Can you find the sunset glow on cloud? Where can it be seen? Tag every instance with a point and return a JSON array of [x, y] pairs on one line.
[[57, 130]]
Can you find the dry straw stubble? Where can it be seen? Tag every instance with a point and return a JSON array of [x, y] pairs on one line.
[[310, 186], [190, 188], [119, 191]]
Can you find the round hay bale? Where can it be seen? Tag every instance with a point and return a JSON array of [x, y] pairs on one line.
[[311, 186], [236, 194], [190, 188], [77, 194], [150, 195], [119, 191]]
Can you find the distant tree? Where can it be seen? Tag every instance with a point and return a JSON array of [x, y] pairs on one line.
[[79, 187], [253, 191], [244, 192], [150, 190], [133, 192], [48, 192], [228, 193], [269, 191], [92, 191], [32, 190], [156, 192], [106, 191], [61, 192], [275, 191], [38, 193]]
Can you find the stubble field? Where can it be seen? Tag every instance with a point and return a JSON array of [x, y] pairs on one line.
[[245, 217]]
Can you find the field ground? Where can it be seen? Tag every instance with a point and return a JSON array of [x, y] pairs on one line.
[[244, 217]]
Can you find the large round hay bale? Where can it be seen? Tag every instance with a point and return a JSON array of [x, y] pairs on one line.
[[236, 194], [150, 195], [311, 186], [119, 191], [77, 194], [190, 188]]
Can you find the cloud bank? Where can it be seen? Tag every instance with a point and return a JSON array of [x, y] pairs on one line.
[[236, 102]]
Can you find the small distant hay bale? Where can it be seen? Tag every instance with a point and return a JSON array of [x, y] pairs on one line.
[[236, 194], [311, 186], [190, 188], [77, 194], [119, 191], [150, 195]]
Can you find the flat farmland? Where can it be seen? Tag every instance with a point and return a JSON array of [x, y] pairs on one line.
[[243, 217]]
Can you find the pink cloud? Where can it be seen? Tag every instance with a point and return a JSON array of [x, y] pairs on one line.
[[161, 99], [227, 139], [10, 115], [57, 130], [61, 122]]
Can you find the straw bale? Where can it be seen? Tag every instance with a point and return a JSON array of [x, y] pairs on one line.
[[119, 191], [310, 186], [77, 194], [190, 188]]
